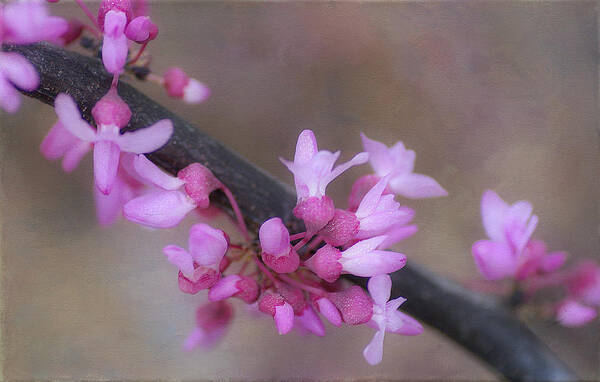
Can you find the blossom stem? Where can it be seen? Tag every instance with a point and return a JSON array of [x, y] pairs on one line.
[[267, 272], [88, 13], [308, 288], [315, 243], [297, 236], [237, 212], [236, 246], [138, 55], [302, 242]]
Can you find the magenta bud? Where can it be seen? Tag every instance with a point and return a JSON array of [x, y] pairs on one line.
[[141, 30], [248, 290], [111, 110], [281, 311], [199, 183], [354, 304], [114, 5], [325, 263], [316, 212], [175, 81], [341, 229]]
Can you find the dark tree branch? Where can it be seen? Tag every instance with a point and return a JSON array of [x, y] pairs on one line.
[[485, 328]]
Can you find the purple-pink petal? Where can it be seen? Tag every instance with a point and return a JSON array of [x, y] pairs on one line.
[[57, 142], [274, 237], [106, 164], [181, 259], [373, 352], [224, 288], [417, 186], [164, 209], [495, 260], [329, 311], [19, 71], [553, 261], [306, 147], [114, 47], [379, 156], [9, 97], [74, 155], [572, 314], [284, 318], [380, 288], [148, 139], [149, 172], [70, 117], [310, 321], [401, 323], [195, 92], [396, 234], [374, 263], [207, 245]]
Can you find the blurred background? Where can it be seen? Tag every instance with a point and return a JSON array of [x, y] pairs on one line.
[[499, 95]]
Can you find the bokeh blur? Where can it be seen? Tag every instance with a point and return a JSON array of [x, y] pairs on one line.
[[499, 95]]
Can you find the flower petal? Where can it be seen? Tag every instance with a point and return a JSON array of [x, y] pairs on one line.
[[148, 139], [494, 260], [363, 247], [74, 155], [573, 314], [57, 142], [148, 171], [207, 245], [401, 323], [163, 209], [417, 186], [370, 201], [274, 237], [306, 147], [310, 321], [493, 211], [358, 159], [379, 156], [374, 263], [329, 311], [396, 234], [195, 92], [224, 288], [114, 47], [380, 288], [106, 164], [19, 71], [70, 117], [180, 258], [552, 261], [284, 318], [373, 353], [9, 97]]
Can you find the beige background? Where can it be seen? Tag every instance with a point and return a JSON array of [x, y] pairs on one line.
[[498, 95]]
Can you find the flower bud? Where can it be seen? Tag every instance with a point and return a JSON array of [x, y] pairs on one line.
[[199, 183], [354, 304], [141, 30]]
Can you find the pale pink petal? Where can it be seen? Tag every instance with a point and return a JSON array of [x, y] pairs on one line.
[[114, 47], [401, 323], [70, 117], [371, 199], [374, 263], [106, 164], [310, 321], [19, 71], [195, 92], [224, 288], [373, 353], [159, 209], [493, 211], [196, 338], [379, 156], [74, 155], [358, 159], [394, 304], [363, 247], [9, 97], [572, 314], [494, 260], [57, 142], [109, 207], [379, 223], [553, 261], [148, 139], [380, 288], [274, 237], [329, 311], [416, 186], [396, 234], [207, 245], [26, 22], [404, 160], [180, 258], [306, 147], [284, 318], [149, 172]]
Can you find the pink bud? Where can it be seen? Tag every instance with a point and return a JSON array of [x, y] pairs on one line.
[[248, 290], [199, 183], [341, 229], [354, 304], [316, 212], [141, 30], [325, 263], [111, 110], [277, 252], [175, 80], [279, 309], [114, 5], [572, 314], [328, 310]]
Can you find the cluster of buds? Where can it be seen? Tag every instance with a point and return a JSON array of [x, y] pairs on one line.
[[295, 277], [510, 254]]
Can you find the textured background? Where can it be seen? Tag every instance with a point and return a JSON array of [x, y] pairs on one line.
[[499, 95]]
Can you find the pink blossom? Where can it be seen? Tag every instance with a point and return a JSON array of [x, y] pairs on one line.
[[141, 30], [179, 85], [26, 22], [399, 162], [313, 170], [176, 197], [15, 71], [212, 322], [111, 114], [277, 253], [362, 259], [386, 317], [60, 143], [509, 229], [200, 267]]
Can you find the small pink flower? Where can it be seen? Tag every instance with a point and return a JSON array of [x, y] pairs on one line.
[[15, 71], [200, 267], [509, 229], [354, 304], [176, 197], [313, 170], [212, 322], [362, 259], [277, 253], [26, 22], [536, 260], [179, 85], [584, 283], [399, 162], [111, 114], [386, 317], [141, 30]]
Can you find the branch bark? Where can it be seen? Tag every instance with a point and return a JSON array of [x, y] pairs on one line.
[[477, 323]]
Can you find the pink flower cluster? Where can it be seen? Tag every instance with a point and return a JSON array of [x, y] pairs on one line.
[[510, 253], [294, 277], [23, 22]]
